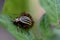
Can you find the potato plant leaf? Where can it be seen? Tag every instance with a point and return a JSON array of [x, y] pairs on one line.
[[7, 24], [50, 18]]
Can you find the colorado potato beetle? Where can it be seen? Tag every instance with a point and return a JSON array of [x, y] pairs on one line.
[[25, 21]]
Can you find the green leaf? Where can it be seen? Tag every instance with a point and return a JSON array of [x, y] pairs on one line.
[[51, 10], [58, 7], [45, 29], [14, 8], [52, 16], [7, 24]]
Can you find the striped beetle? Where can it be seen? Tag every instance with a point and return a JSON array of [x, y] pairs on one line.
[[25, 21]]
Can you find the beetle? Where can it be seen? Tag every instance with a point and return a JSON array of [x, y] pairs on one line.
[[25, 21]]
